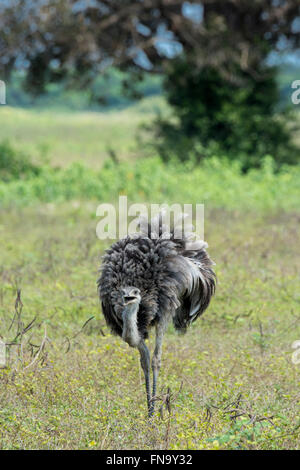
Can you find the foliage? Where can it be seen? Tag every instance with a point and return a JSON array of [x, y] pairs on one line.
[[152, 180], [75, 40], [70, 43], [106, 91], [15, 164], [215, 116]]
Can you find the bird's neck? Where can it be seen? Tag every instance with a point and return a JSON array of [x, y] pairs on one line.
[[130, 330]]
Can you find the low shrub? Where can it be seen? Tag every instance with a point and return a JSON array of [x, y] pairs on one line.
[[218, 183], [15, 164]]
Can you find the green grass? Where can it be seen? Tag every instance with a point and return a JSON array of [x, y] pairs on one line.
[[232, 381], [64, 137], [86, 390]]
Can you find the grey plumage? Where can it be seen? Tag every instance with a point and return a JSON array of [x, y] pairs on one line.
[[150, 279]]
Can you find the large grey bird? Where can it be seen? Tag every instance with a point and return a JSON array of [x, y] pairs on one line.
[[149, 279]]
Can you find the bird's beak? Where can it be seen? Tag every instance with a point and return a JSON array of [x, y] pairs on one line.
[[129, 297]]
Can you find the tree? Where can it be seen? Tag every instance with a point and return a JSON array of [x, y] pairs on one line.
[[209, 48], [218, 117], [53, 39]]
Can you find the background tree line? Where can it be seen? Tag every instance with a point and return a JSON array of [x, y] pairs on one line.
[[213, 56]]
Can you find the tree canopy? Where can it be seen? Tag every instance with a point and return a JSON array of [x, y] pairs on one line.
[[55, 39]]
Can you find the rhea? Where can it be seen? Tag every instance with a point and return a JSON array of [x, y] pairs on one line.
[[150, 279]]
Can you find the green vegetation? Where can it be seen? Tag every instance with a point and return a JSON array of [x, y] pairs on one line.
[[107, 90], [217, 183], [215, 116], [69, 383], [62, 157], [15, 164]]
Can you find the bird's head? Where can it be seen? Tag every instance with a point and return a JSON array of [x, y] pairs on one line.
[[131, 295]]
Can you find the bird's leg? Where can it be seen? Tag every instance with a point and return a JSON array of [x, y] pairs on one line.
[[145, 363], [156, 359]]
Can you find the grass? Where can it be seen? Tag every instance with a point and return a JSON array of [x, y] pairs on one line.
[[64, 137], [70, 384], [232, 381]]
